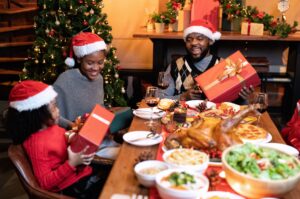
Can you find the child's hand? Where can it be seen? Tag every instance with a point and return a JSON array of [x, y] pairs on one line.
[[79, 158]]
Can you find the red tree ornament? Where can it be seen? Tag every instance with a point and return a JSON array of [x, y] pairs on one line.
[[85, 23]]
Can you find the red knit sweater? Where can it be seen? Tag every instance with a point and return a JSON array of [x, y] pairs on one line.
[[291, 133], [47, 150]]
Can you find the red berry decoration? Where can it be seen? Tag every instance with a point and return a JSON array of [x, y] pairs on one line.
[[85, 23], [51, 33]]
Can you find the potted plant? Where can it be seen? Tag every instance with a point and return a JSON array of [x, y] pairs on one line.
[[173, 7], [159, 20]]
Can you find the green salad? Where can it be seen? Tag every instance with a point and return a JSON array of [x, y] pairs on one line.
[[181, 178], [262, 163]]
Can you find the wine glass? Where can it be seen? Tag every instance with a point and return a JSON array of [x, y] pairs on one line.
[[162, 81], [261, 99], [152, 100]]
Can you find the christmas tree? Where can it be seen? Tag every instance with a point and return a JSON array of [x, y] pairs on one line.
[[55, 24]]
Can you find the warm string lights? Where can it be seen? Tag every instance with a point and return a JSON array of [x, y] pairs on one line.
[[55, 24]]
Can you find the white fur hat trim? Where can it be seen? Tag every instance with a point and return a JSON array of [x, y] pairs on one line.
[[42, 98], [202, 30], [81, 51]]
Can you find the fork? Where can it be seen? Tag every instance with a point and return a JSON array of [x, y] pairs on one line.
[[152, 135]]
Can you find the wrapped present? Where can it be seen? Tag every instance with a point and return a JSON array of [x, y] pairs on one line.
[[224, 81], [248, 28], [122, 119], [207, 10], [93, 130]]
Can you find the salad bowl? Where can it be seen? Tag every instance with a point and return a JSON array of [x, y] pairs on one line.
[[257, 171]]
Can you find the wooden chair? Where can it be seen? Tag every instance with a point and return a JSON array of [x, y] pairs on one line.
[[26, 176]]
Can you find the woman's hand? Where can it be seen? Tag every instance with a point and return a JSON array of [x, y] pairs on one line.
[[246, 92], [79, 158]]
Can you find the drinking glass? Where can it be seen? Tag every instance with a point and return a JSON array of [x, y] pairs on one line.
[[261, 99], [152, 100], [162, 81]]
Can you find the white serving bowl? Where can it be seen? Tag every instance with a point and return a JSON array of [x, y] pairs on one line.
[[282, 147], [167, 191], [252, 187], [189, 159], [147, 170]]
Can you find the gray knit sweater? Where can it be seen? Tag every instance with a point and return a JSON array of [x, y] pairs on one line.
[[77, 95]]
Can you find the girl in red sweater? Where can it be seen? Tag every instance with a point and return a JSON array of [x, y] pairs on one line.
[[32, 121], [291, 133]]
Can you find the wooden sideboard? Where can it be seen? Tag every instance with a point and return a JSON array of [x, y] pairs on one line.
[[163, 43]]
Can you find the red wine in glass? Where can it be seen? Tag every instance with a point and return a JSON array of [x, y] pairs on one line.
[[152, 101]]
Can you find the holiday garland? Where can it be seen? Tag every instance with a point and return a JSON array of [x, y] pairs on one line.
[[278, 27]]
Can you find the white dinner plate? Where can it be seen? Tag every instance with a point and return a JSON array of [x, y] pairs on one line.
[[259, 141], [221, 194], [145, 113], [195, 103], [131, 138], [282, 147]]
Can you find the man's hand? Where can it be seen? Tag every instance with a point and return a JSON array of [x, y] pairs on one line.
[[246, 92], [79, 158], [191, 94]]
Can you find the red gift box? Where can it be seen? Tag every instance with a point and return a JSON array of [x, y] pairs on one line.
[[93, 131], [224, 81]]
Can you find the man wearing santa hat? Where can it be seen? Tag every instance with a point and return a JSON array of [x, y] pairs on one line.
[[180, 74]]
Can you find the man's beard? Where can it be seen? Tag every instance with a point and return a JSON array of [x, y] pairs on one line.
[[195, 60]]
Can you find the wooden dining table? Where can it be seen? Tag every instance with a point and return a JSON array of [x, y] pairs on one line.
[[123, 182]]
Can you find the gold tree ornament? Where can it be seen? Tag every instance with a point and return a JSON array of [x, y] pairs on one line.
[[37, 49]]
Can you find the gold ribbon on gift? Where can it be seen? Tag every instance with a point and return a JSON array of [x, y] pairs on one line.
[[231, 69]]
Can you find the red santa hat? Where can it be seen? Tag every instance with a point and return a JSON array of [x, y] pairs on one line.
[[84, 44], [203, 27], [29, 95]]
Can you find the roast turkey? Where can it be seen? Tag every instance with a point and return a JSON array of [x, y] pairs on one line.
[[209, 132]]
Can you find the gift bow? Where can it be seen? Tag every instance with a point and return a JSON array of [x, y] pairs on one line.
[[231, 69]]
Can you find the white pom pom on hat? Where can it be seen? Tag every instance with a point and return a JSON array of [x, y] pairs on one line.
[[84, 43], [203, 27], [70, 62]]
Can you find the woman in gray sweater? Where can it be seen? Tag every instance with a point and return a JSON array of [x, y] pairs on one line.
[[80, 89]]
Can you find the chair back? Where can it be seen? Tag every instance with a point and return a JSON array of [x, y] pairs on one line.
[[25, 173]]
